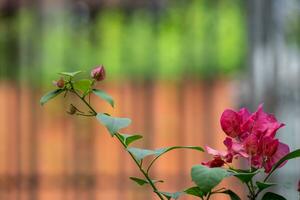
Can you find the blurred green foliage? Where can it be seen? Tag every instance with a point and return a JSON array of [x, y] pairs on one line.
[[197, 39]]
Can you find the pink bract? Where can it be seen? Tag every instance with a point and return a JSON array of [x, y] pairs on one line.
[[281, 151], [216, 162], [251, 144], [230, 123], [264, 123]]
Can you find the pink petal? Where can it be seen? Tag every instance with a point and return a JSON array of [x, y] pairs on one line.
[[215, 152], [265, 124], [244, 114], [282, 150], [235, 148], [230, 123], [216, 162], [251, 144], [256, 161], [269, 146]]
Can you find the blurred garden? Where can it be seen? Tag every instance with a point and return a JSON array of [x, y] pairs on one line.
[[171, 66]]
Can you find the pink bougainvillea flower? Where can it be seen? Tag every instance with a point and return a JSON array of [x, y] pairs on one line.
[[251, 136], [281, 151], [230, 123], [98, 73], [216, 162]]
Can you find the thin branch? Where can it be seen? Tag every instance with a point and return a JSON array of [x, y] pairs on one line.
[[94, 113]]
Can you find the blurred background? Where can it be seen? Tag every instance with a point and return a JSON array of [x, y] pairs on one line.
[[172, 67]]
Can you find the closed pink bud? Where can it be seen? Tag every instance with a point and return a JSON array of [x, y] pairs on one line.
[[98, 73]]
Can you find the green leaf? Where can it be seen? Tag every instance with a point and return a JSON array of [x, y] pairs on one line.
[[71, 74], [139, 153], [140, 181], [104, 96], [142, 153], [262, 185], [233, 196], [113, 124], [272, 196], [207, 178], [195, 191], [83, 85], [245, 177], [161, 151], [291, 155], [169, 195], [128, 139], [242, 170], [50, 95]]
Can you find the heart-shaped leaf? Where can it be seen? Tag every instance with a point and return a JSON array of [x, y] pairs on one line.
[[113, 124], [169, 195], [139, 153], [71, 74], [233, 196], [140, 181], [195, 191], [50, 95], [128, 139], [207, 178], [83, 85], [104, 96], [262, 185], [272, 196]]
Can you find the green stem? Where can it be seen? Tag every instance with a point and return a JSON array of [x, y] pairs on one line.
[[267, 177], [85, 115], [141, 169], [94, 113], [208, 196], [252, 193]]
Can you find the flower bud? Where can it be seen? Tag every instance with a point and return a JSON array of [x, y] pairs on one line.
[[299, 186], [59, 83], [98, 73], [72, 110]]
